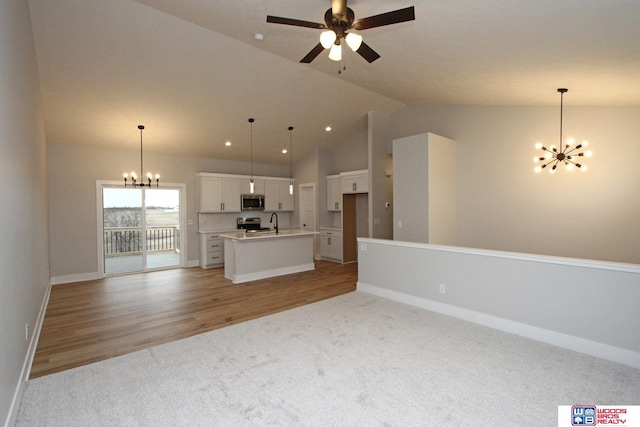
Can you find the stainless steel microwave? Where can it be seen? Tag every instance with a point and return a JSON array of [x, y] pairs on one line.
[[252, 202]]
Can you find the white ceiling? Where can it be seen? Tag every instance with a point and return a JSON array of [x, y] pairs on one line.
[[192, 72]]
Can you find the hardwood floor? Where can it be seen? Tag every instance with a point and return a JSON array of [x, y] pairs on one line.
[[86, 322]]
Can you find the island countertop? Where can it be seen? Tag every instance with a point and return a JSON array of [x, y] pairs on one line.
[[242, 236], [254, 256]]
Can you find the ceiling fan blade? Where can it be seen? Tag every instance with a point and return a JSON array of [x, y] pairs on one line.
[[295, 22], [400, 15], [367, 53], [312, 54], [339, 8]]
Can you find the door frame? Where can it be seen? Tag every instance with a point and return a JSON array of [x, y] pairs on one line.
[[100, 184]]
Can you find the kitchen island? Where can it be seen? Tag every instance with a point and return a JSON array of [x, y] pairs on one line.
[[254, 256]]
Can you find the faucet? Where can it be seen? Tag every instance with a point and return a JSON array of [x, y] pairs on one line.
[[271, 221]]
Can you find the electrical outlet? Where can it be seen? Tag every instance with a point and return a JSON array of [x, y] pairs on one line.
[[26, 332], [443, 288]]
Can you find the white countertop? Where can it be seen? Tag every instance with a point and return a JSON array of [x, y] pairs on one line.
[[215, 231], [291, 232]]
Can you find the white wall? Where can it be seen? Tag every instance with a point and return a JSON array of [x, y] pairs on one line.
[[502, 204], [582, 305], [73, 171], [24, 260]]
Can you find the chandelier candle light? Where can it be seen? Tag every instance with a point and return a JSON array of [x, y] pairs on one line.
[[134, 176], [566, 153]]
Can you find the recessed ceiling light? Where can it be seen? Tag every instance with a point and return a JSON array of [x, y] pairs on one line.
[[258, 36], [328, 129], [228, 143], [284, 151]]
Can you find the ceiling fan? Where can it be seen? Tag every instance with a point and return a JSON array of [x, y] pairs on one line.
[[338, 20]]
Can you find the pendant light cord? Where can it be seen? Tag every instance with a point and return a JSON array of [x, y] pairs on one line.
[[251, 135], [141, 127], [291, 151], [562, 92]]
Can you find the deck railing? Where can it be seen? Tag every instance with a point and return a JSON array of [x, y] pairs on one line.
[[129, 240]]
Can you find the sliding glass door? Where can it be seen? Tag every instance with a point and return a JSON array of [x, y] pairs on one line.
[[140, 229]]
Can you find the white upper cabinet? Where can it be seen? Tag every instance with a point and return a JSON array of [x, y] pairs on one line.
[[355, 182], [334, 193], [277, 197], [219, 194]]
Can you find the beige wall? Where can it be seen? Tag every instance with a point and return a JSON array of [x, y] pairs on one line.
[[352, 154], [73, 172], [502, 204], [380, 160], [24, 263]]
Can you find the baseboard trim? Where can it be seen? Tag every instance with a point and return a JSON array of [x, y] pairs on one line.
[[71, 278], [248, 277], [28, 361], [569, 342], [84, 277]]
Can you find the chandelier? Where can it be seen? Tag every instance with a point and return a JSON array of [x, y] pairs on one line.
[[134, 176], [565, 154]]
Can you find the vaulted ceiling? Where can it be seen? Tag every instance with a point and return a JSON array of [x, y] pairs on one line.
[[193, 72]]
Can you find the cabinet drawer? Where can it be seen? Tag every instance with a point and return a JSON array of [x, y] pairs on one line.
[[331, 233], [213, 237], [215, 246], [215, 258]]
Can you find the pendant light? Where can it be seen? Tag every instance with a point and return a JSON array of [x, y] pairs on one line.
[[566, 153], [134, 176], [290, 160], [251, 183]]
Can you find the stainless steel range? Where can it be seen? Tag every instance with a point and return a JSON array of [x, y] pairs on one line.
[[251, 225]]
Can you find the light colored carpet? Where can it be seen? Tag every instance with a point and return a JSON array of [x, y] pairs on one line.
[[352, 360]]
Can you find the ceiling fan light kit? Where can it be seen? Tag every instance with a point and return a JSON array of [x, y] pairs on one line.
[[327, 39], [335, 54], [338, 20]]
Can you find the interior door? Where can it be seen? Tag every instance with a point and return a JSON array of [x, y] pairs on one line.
[[307, 208], [308, 213]]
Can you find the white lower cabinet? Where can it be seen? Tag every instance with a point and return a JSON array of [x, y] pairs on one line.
[[331, 244], [211, 250]]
